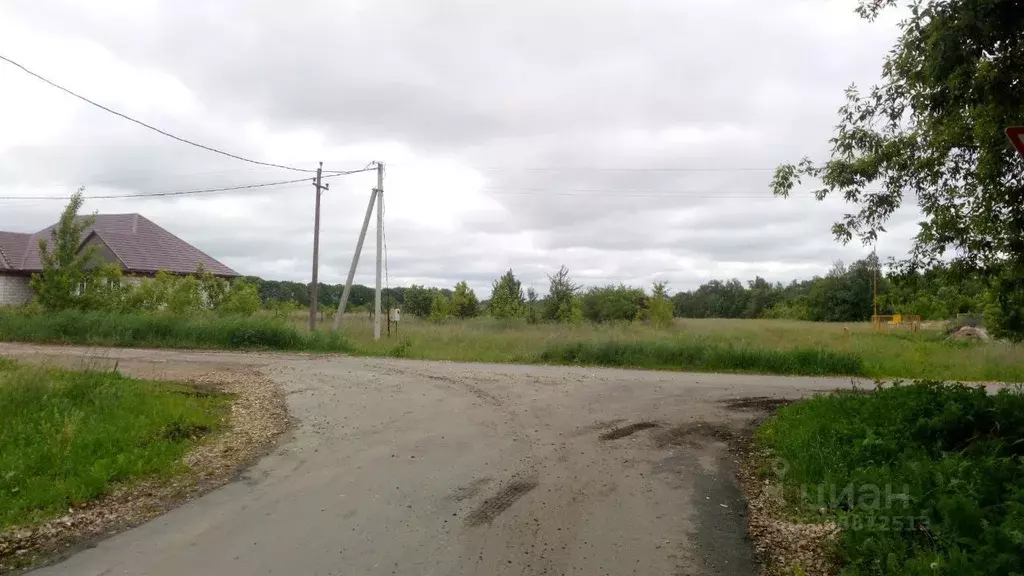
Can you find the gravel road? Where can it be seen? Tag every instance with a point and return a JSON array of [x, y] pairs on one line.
[[408, 467]]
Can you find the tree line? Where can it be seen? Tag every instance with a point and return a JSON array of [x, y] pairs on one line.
[[845, 294], [70, 280]]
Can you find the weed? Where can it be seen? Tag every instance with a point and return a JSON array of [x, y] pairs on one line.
[[924, 478], [164, 331], [400, 350], [770, 346], [704, 356]]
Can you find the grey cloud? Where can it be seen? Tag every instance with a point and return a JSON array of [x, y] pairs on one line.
[[576, 88]]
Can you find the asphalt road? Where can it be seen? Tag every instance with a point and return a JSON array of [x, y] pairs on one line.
[[406, 467]]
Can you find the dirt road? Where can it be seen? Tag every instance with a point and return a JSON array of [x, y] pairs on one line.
[[405, 467]]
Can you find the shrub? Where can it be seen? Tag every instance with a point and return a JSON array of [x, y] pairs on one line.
[[242, 299], [164, 330], [787, 311], [601, 304], [214, 289], [184, 296], [945, 459]]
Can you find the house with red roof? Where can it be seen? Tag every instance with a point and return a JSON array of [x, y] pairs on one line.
[[135, 243]]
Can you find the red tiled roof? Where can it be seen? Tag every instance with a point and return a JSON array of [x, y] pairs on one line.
[[139, 243]]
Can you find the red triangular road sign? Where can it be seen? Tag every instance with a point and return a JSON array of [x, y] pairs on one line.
[[1016, 136]]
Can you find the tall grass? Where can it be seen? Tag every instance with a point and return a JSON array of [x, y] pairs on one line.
[[925, 354], [70, 436], [164, 331], [688, 344], [923, 479], [708, 356]]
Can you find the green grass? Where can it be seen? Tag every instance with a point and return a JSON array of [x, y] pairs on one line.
[[923, 479], [163, 331], [705, 356], [768, 346], [925, 354], [69, 436]]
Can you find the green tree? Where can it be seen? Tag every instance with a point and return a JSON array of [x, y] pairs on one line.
[[659, 308], [440, 308], [464, 303], [713, 299], [933, 130], [418, 301], [507, 299], [562, 303], [845, 294], [531, 306], [762, 295], [66, 265]]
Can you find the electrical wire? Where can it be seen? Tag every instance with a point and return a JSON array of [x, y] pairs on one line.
[[154, 128], [181, 192], [599, 192], [162, 194], [619, 169], [147, 175]]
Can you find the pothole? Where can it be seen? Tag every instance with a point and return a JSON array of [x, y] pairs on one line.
[[627, 430], [686, 434], [756, 404]]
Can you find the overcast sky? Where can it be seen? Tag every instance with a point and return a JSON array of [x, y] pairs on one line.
[[631, 140]]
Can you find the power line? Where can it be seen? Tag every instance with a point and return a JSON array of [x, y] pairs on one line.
[[154, 128], [620, 169], [607, 192], [148, 175], [183, 192], [162, 194]]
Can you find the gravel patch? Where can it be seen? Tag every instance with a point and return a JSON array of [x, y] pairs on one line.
[[780, 544]]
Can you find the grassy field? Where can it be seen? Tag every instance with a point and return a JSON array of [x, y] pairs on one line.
[[69, 436], [922, 479], [760, 346], [926, 354]]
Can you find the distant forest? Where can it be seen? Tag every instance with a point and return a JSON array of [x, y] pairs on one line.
[[844, 294]]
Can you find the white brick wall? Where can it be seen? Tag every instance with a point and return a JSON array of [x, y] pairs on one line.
[[14, 290]]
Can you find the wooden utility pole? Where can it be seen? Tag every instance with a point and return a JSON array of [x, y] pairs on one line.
[[315, 287]]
